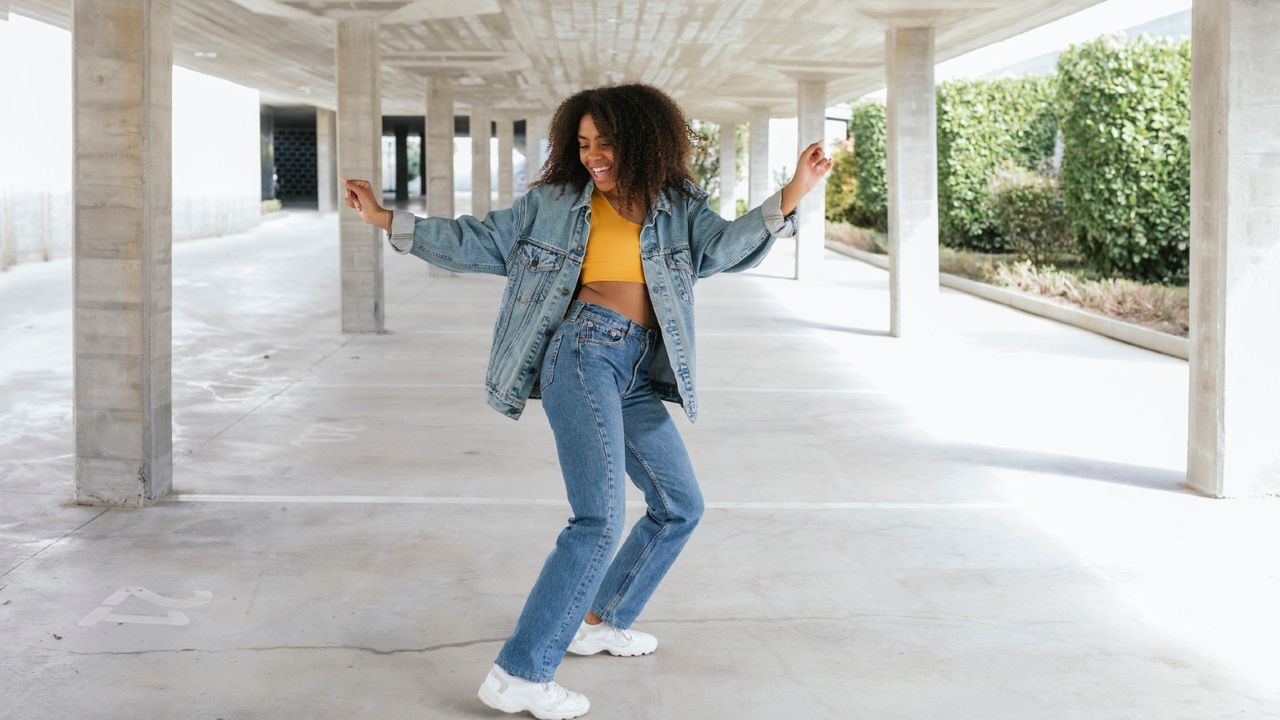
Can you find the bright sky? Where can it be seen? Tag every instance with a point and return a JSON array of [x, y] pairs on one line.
[[1101, 19]]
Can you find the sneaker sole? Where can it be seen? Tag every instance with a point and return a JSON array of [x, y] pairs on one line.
[[488, 697], [578, 649]]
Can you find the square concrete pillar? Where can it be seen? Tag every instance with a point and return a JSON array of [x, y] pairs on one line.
[[811, 112], [912, 178], [1235, 251], [439, 122], [481, 132], [326, 160], [758, 158], [506, 173], [122, 58], [728, 171], [360, 156], [439, 171], [535, 136]]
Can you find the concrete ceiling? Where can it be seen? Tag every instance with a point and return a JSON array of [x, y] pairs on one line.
[[717, 57]]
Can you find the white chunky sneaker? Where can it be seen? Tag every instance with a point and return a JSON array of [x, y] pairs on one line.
[[545, 701], [591, 639]]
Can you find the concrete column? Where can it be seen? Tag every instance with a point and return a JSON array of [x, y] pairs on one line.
[[440, 146], [758, 159], [506, 173], [535, 134], [811, 111], [912, 178], [481, 132], [326, 160], [1235, 251], [122, 57], [360, 156], [728, 170], [439, 164]]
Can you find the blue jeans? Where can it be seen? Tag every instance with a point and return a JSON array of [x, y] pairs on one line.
[[606, 418]]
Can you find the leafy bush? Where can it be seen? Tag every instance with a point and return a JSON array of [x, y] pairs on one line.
[[1126, 178], [1027, 210], [983, 124], [871, 196], [842, 185]]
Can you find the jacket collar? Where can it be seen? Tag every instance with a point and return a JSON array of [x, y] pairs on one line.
[[663, 203]]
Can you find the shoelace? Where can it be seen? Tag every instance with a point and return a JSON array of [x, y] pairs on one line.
[[555, 690]]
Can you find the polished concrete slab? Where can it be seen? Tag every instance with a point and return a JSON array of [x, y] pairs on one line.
[[991, 523]]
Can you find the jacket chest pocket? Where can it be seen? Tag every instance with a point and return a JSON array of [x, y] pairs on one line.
[[680, 268], [533, 269]]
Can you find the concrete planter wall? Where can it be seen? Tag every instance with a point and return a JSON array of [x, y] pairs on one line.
[[1142, 337]]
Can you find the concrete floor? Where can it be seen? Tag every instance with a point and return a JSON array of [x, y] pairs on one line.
[[988, 524]]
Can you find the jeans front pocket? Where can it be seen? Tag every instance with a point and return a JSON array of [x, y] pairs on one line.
[[599, 333]]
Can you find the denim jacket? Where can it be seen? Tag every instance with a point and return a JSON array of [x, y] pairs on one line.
[[538, 244]]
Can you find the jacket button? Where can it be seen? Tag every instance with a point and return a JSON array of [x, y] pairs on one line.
[[533, 262], [577, 248]]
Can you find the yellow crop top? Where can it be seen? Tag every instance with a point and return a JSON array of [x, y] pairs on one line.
[[613, 247]]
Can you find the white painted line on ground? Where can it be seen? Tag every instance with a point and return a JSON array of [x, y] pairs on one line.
[[422, 500]]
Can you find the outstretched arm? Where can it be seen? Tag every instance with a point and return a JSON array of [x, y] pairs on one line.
[[467, 244], [721, 245]]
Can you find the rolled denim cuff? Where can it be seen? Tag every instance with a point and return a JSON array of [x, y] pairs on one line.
[[401, 235], [774, 222]]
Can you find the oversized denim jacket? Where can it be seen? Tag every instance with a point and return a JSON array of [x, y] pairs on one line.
[[538, 244]]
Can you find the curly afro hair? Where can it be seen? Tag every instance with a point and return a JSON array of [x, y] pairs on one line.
[[651, 138]]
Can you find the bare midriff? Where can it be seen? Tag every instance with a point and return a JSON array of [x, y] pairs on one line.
[[629, 298]]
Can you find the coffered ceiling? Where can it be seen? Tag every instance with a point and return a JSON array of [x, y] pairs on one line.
[[717, 57]]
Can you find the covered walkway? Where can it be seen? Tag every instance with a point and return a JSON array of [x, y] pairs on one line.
[[989, 523]]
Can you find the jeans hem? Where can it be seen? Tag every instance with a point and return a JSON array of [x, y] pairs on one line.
[[506, 667]]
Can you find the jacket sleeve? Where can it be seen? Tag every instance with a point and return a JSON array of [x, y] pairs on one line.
[[467, 244], [718, 245]]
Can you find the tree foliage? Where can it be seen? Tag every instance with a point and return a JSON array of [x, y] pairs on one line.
[[1125, 114]]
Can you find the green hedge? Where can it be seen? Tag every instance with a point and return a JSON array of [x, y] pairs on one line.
[[1028, 212], [983, 124], [1126, 178], [871, 197]]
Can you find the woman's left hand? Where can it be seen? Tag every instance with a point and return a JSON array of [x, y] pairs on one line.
[[812, 166]]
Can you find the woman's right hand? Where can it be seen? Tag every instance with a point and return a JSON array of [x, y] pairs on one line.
[[359, 197]]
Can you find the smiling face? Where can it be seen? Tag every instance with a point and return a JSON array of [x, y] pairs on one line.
[[596, 153]]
